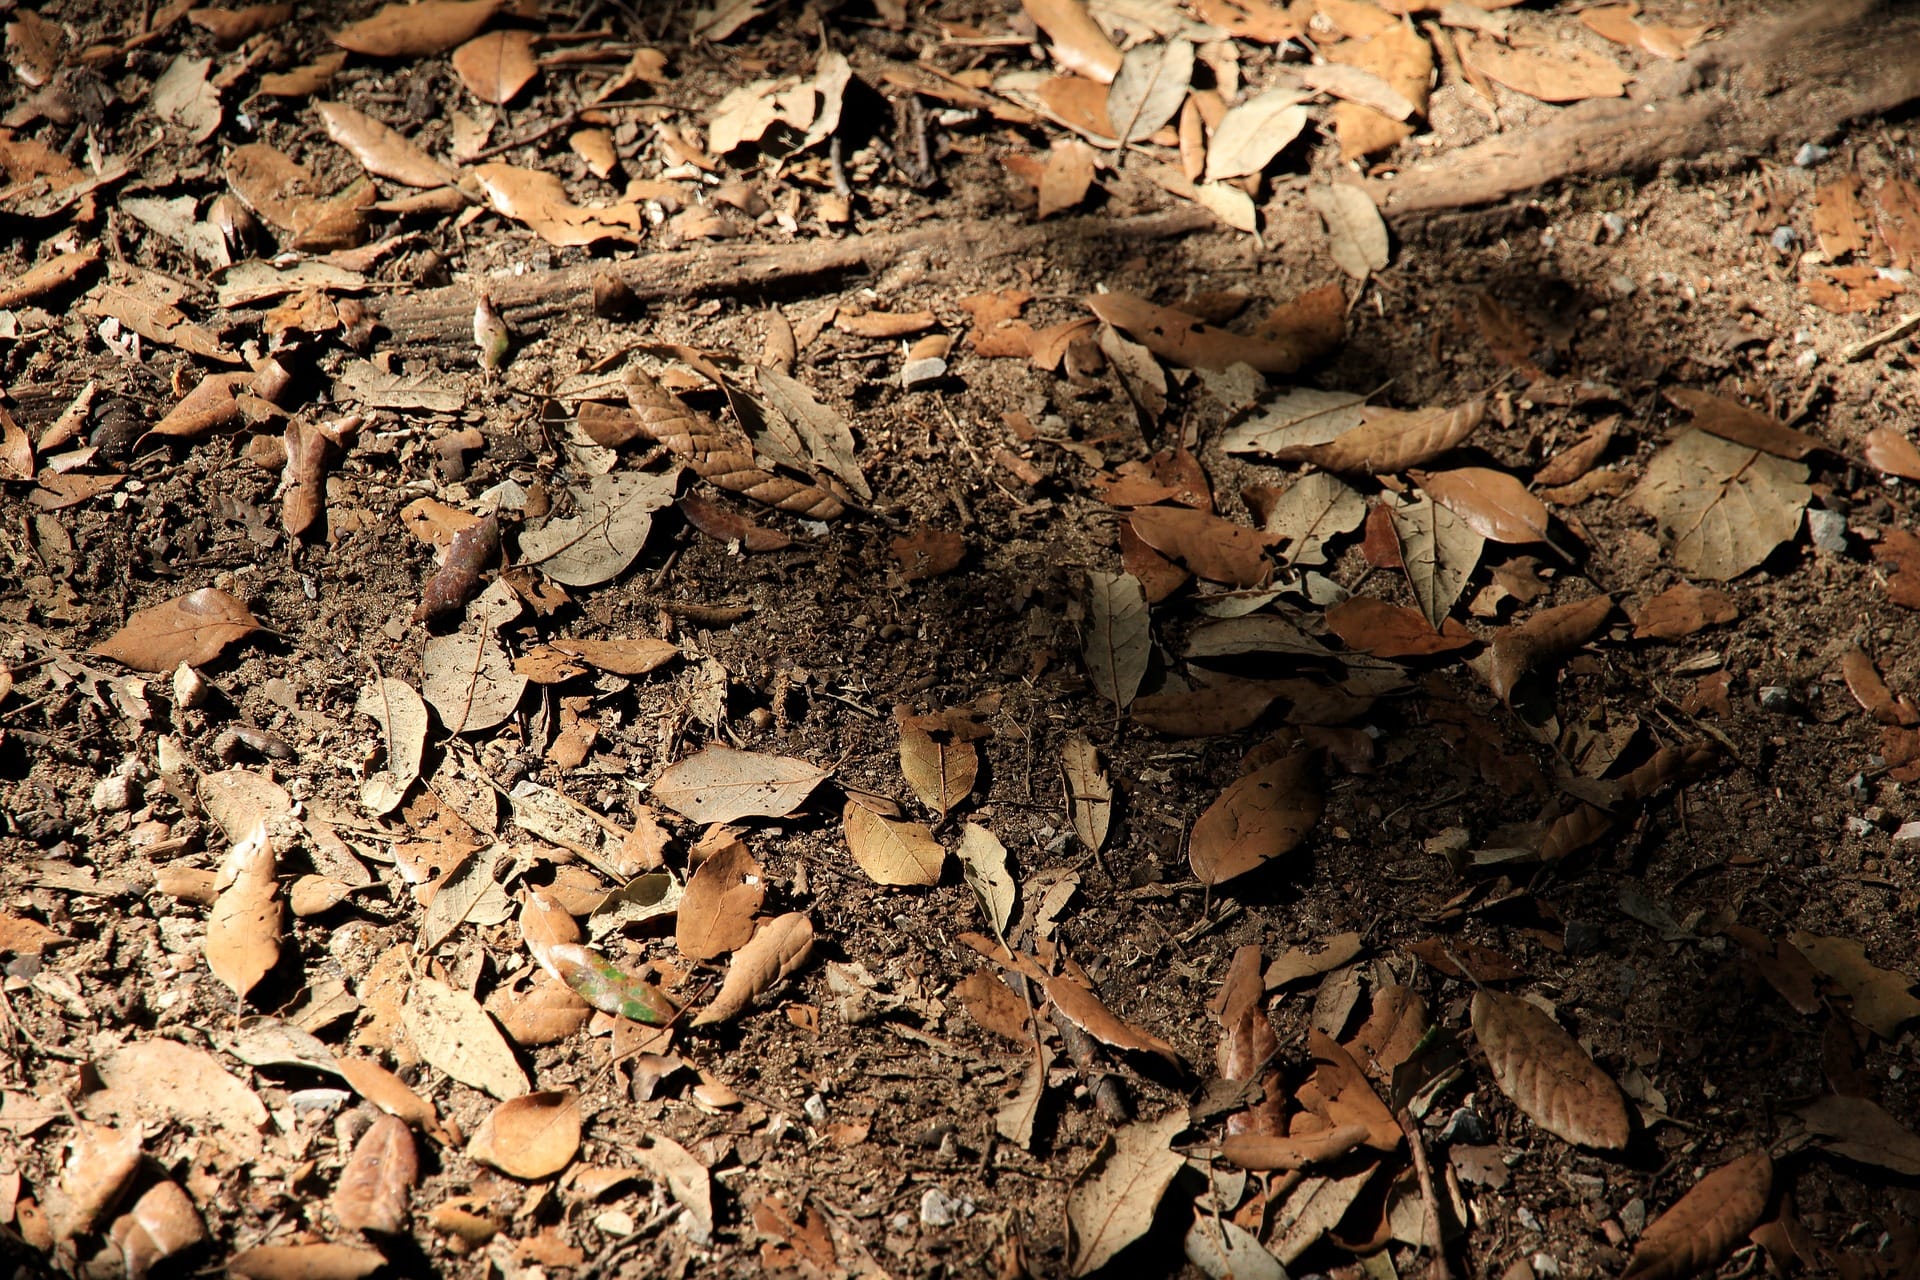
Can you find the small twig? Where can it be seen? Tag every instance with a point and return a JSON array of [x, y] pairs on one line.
[[1438, 1268], [1892, 333], [558, 123]]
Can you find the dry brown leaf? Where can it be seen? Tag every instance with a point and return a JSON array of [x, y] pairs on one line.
[[311, 448], [722, 896], [1355, 230], [1547, 1074], [721, 784], [156, 1080], [378, 1178], [1681, 610], [730, 527], [1870, 690], [1065, 178], [98, 1168], [890, 850], [1204, 712], [1398, 1022], [234, 26], [722, 456], [1114, 1199], [938, 758], [1707, 1223], [417, 30], [1371, 625], [1299, 963], [305, 1261], [1078, 43], [1731, 420], [1840, 217], [1341, 1095], [388, 1092], [163, 1222], [1256, 819], [244, 928], [1882, 999], [1545, 637], [381, 151], [1089, 791], [1214, 548], [777, 950], [994, 1006], [1087, 1011], [1263, 1151], [1248, 1045], [1079, 103], [1889, 452], [474, 551], [1463, 958], [193, 629], [1861, 1130], [1580, 457], [1722, 507], [1392, 439], [497, 65], [1119, 637], [1494, 504], [531, 1137], [539, 199], [1566, 74], [1184, 340]]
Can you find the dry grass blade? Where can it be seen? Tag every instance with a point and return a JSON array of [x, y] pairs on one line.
[[1392, 440], [1547, 1074], [721, 457], [1707, 1223]]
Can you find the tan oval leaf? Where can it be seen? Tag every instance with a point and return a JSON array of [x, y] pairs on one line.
[[382, 151], [417, 30], [1494, 504], [1186, 340], [1089, 791], [539, 199], [722, 896], [721, 784], [1392, 439], [378, 1178], [938, 758], [1079, 44], [1706, 1224], [778, 949], [193, 629], [497, 65], [1354, 225], [1216, 549], [1256, 819], [388, 1092], [1890, 452], [890, 850], [244, 928], [535, 1136], [1263, 1151], [1547, 1074], [305, 1262], [455, 1035]]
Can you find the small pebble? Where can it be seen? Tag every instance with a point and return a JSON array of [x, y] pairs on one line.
[[1828, 530], [1809, 155], [1634, 1216], [1545, 1265], [1806, 360], [1783, 239], [939, 1209], [1859, 826], [113, 794], [816, 1108], [1615, 224], [1779, 699], [1465, 1126], [923, 372]]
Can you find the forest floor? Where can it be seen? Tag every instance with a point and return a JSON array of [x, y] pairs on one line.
[[639, 641]]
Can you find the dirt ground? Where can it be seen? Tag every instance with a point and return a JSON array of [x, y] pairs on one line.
[[846, 1122]]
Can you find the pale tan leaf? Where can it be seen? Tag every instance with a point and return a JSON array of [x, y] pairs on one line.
[[1392, 439], [1014, 1120], [1722, 507], [1359, 85], [1114, 1199], [1566, 73], [244, 927], [1119, 636], [1547, 1074], [1251, 134], [497, 65], [613, 514], [163, 1222], [1298, 963], [1148, 88], [1296, 417], [1079, 45], [777, 950], [1089, 791], [686, 1178], [381, 151], [1342, 1096], [1354, 225], [1883, 999], [1707, 1223], [529, 1137], [983, 860], [164, 1081], [890, 850], [1256, 819], [1439, 551], [938, 758], [305, 1261], [721, 784], [1087, 1011], [1731, 420], [402, 716], [469, 680], [99, 1166], [194, 629], [417, 30], [455, 1035], [1229, 204], [1494, 504], [723, 895], [378, 1178], [539, 199]]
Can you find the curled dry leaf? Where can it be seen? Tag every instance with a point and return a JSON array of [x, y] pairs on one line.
[[723, 895], [1251, 134], [1580, 457], [1546, 637], [1215, 549], [381, 151], [1181, 339], [244, 928], [722, 456], [496, 66], [777, 950], [723, 525], [1089, 791], [1547, 1074], [1494, 504], [388, 1092], [1084, 1008], [311, 449], [1870, 690], [539, 199], [1119, 636], [1341, 1095], [721, 784], [890, 850], [1263, 1151], [1248, 1045], [1707, 1223], [474, 551], [194, 629], [417, 30], [530, 1137], [378, 1179], [1392, 439]]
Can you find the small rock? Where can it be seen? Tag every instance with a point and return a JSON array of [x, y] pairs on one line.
[[816, 1108], [1828, 530], [1909, 833], [1634, 1217], [1464, 1125], [1615, 224], [1583, 937], [1859, 826], [614, 1222], [43, 828], [113, 794], [939, 1209], [1526, 1217], [1622, 285], [1783, 239], [190, 688], [1806, 360], [922, 372], [1809, 155], [1545, 1265], [1779, 699]]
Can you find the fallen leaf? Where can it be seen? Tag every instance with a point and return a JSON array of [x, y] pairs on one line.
[[469, 681], [889, 849], [1545, 637], [1705, 1225], [1252, 133], [777, 950], [1066, 177], [1391, 439], [1148, 88], [381, 151], [235, 26], [474, 551], [1248, 1045], [1580, 457], [1494, 504], [417, 30], [1565, 74], [1119, 637], [378, 1179], [1733, 421], [602, 983], [98, 1169], [1079, 45], [1309, 513], [686, 1178], [1439, 551], [163, 1221], [306, 1261], [169, 1082], [530, 1137], [496, 66], [539, 199], [1223, 708], [1080, 103], [388, 1092], [1185, 340], [455, 1035], [983, 861], [938, 758], [1883, 1000], [193, 629], [1889, 452], [1086, 1010], [1114, 1199], [1338, 951], [1256, 819], [1354, 225], [1089, 792], [723, 895], [1870, 690], [722, 784], [244, 927], [1547, 1074], [1015, 1119], [722, 455], [1463, 958], [613, 516], [1211, 547], [1227, 1251], [1861, 1130], [1722, 507], [1374, 626], [1342, 1096], [1681, 610]]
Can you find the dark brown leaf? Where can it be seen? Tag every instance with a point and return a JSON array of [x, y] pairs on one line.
[[1371, 625], [193, 629], [1547, 1074], [1733, 421], [1215, 549], [472, 553], [1681, 610], [719, 455], [1263, 815], [1546, 637], [1579, 457], [1706, 1224], [378, 1178], [723, 525]]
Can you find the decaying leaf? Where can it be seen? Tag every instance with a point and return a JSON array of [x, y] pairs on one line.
[[1391, 439], [938, 758], [720, 455], [602, 983], [1883, 999], [455, 1035], [1114, 1199], [723, 896], [474, 551], [1439, 551], [1545, 637], [1216, 549], [1089, 791], [1119, 636], [1354, 225], [1722, 507], [193, 629], [613, 514], [1861, 1130], [777, 950], [983, 860], [469, 681], [378, 1179], [530, 1137], [890, 849], [244, 928], [722, 784], [1705, 1225], [1547, 1074], [1182, 339], [1256, 819]]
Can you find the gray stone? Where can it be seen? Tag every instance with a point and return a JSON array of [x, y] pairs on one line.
[[1828, 530], [938, 1208]]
